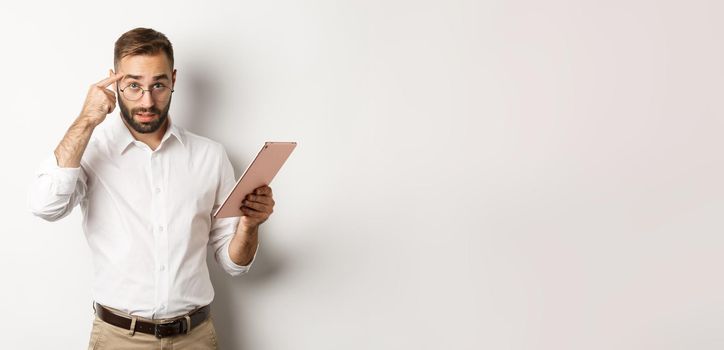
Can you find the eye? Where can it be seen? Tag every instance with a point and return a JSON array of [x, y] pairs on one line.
[[158, 86], [134, 86]]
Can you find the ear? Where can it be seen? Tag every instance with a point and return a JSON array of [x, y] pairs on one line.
[[173, 78]]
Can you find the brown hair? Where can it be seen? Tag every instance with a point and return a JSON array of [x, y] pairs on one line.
[[142, 41]]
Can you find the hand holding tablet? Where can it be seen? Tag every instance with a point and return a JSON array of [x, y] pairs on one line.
[[260, 172]]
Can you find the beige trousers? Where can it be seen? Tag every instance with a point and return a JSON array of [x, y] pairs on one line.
[[107, 336]]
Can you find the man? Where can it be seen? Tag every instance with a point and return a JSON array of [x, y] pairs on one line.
[[147, 189]]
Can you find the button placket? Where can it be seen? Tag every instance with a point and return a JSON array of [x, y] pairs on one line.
[[159, 202]]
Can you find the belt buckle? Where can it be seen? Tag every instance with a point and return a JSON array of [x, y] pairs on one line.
[[179, 325]]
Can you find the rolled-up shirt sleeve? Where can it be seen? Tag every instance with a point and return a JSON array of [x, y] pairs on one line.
[[55, 191], [224, 229]]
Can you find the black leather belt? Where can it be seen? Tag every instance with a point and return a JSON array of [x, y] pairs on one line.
[[160, 330]]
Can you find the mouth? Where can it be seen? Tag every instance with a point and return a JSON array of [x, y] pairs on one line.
[[145, 117]]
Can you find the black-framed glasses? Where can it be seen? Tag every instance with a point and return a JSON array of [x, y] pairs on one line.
[[158, 91]]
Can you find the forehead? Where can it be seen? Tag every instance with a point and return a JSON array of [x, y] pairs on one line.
[[146, 66]]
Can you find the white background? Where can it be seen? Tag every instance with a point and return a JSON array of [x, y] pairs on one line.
[[469, 175]]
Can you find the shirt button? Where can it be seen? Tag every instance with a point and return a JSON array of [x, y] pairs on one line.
[[158, 189], [163, 267], [160, 229]]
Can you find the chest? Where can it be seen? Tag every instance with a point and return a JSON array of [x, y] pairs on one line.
[[173, 182]]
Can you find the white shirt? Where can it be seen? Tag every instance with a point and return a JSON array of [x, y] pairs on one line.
[[147, 216]]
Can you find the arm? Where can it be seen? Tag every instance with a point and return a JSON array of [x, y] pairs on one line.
[[242, 248], [71, 148], [257, 207], [61, 183], [99, 102], [236, 240], [225, 230]]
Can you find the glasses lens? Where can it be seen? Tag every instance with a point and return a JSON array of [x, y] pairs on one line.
[[160, 93], [132, 93]]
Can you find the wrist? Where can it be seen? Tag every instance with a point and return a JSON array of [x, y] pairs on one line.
[[88, 123], [248, 231]]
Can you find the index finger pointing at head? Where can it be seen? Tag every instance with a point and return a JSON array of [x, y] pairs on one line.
[[110, 80]]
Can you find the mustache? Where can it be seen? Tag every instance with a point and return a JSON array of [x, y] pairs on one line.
[[153, 110]]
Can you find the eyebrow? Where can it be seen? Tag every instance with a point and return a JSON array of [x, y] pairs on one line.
[[138, 77]]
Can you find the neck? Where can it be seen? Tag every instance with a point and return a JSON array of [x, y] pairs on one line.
[[151, 139]]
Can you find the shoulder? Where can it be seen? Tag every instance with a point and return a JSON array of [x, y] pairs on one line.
[[200, 146], [100, 145]]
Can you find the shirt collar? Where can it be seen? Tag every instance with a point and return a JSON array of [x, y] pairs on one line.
[[122, 137]]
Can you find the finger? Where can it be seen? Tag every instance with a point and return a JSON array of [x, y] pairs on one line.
[[263, 190], [110, 95], [252, 213], [111, 107], [110, 80], [110, 74], [257, 206], [249, 208], [260, 199]]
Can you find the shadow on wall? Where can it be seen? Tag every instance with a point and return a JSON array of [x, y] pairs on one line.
[[202, 95], [228, 307], [201, 115]]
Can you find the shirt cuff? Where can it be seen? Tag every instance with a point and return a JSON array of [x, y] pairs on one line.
[[64, 179], [234, 268]]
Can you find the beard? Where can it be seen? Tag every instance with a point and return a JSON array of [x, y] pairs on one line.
[[145, 127]]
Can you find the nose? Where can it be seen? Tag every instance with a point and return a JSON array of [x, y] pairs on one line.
[[146, 100]]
